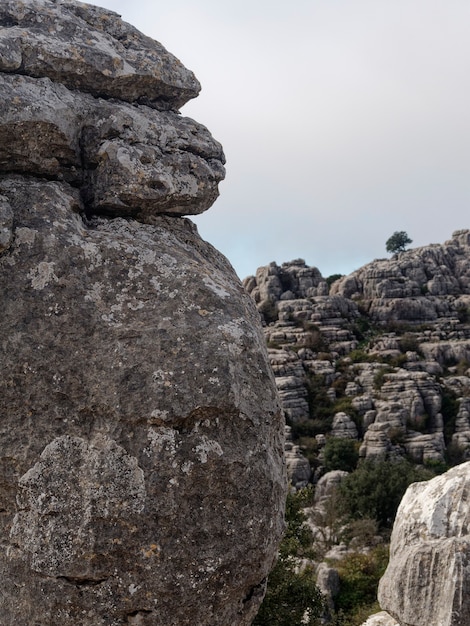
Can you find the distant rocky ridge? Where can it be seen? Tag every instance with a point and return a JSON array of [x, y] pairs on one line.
[[389, 345], [142, 473], [382, 357]]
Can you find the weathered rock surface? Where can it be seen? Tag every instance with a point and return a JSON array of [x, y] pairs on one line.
[[298, 467], [363, 360], [427, 580], [381, 619], [418, 285], [91, 49], [142, 459]]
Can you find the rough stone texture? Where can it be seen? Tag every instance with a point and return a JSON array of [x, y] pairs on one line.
[[427, 580], [90, 49], [298, 467], [418, 285], [343, 427], [404, 376], [381, 619], [142, 471], [128, 160], [328, 583]]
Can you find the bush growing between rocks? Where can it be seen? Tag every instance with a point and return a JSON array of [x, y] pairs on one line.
[[359, 576], [374, 490], [340, 454], [292, 597]]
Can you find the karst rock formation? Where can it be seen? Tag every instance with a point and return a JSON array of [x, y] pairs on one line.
[[382, 357], [142, 476], [427, 581], [385, 351]]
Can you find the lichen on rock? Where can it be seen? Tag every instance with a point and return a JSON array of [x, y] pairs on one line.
[[143, 476]]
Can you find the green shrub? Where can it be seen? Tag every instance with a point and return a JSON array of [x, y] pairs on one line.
[[269, 312], [408, 343], [361, 328], [375, 489], [311, 427], [319, 403], [359, 356], [359, 576], [454, 454], [292, 595], [396, 361], [333, 278], [340, 454], [449, 409], [379, 377]]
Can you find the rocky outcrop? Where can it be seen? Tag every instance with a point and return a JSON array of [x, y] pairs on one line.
[[134, 156], [382, 356], [142, 441], [427, 580], [416, 286], [298, 467]]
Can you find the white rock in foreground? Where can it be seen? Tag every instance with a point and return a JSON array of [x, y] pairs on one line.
[[427, 582], [381, 619]]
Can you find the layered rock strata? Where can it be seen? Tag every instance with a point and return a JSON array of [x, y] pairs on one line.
[[427, 580], [381, 355], [142, 449]]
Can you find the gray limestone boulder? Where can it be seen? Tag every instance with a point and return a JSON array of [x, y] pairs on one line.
[[343, 427], [427, 580], [142, 447], [128, 160], [91, 49], [299, 471], [141, 436]]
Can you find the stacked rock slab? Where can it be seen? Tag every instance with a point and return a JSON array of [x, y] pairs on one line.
[[428, 578], [142, 475]]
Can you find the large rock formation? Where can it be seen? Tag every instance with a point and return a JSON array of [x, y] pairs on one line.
[[428, 578], [382, 350], [418, 286], [142, 472]]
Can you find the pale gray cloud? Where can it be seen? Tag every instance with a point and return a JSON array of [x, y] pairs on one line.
[[342, 121]]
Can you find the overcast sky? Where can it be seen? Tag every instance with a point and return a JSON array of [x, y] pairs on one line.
[[342, 121]]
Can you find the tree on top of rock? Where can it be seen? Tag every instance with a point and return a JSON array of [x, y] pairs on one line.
[[398, 242]]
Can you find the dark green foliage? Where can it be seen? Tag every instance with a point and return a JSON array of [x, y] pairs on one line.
[[334, 277], [454, 454], [361, 328], [463, 313], [398, 242], [376, 488], [291, 594], [449, 410], [359, 577], [345, 405], [408, 343], [340, 454], [397, 360], [379, 377], [359, 356], [319, 403], [311, 427], [288, 596]]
